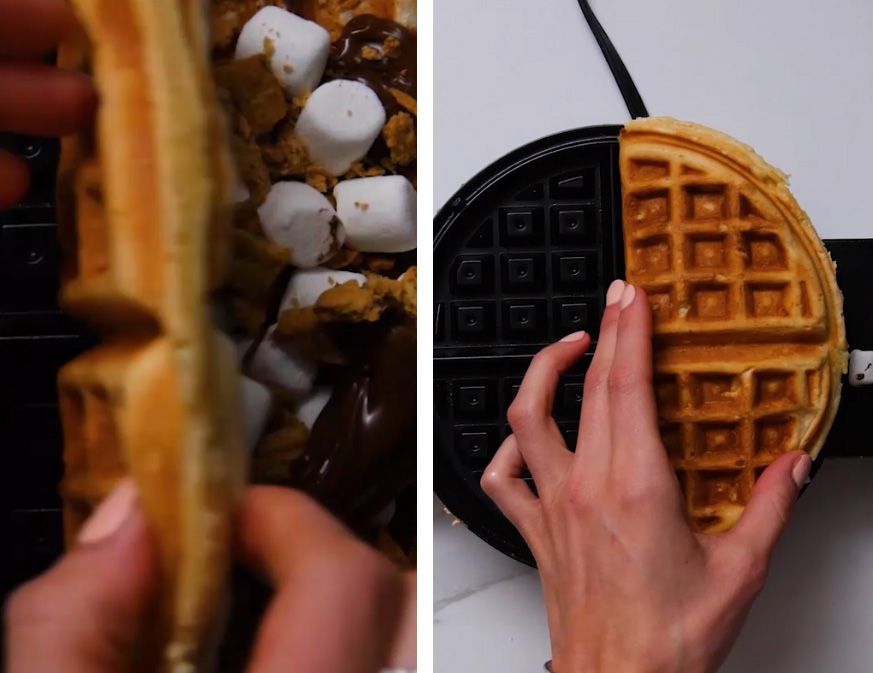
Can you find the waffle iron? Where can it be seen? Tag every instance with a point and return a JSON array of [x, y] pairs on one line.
[[523, 254]]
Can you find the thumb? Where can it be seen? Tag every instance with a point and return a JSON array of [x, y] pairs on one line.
[[87, 613], [772, 501]]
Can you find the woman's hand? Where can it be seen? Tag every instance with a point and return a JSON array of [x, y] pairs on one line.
[[629, 587], [338, 606], [36, 99]]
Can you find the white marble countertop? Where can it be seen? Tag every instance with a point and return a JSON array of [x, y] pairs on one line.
[[794, 78]]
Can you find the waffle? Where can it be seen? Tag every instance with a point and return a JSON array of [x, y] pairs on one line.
[[749, 336], [144, 231]]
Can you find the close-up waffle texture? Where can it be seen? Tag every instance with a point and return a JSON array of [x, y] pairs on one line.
[[144, 228], [750, 344]]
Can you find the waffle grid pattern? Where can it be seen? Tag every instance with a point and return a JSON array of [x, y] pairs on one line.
[[531, 270], [706, 254], [718, 264]]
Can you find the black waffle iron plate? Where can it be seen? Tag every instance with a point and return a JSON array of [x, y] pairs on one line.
[[523, 255]]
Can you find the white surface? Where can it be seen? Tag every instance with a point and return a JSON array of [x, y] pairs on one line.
[[792, 78]]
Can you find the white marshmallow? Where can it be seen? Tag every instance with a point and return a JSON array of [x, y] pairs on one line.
[[861, 368], [308, 285], [339, 123], [282, 366], [297, 49], [257, 401], [378, 213], [310, 409], [301, 219]]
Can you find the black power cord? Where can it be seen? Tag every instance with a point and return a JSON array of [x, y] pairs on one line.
[[625, 82]]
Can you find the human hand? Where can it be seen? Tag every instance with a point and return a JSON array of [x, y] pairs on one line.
[[629, 586], [338, 605], [36, 99]]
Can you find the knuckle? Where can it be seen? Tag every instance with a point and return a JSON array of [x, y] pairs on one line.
[[577, 496], [595, 379], [490, 482], [25, 604], [519, 414], [624, 379]]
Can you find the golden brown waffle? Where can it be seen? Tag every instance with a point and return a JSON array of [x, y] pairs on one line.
[[144, 230], [749, 336]]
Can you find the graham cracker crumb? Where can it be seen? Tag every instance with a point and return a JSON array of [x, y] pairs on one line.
[[391, 47], [406, 101], [359, 170], [399, 135], [370, 53], [320, 179]]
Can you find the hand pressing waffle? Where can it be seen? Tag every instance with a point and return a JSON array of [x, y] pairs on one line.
[[749, 333], [176, 223]]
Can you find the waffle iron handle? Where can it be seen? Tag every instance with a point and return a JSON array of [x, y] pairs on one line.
[[849, 435], [623, 79]]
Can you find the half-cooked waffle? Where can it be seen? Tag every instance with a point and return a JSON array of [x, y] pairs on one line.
[[143, 226], [749, 335]]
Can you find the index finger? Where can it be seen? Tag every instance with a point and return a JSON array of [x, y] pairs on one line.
[[32, 28], [338, 604]]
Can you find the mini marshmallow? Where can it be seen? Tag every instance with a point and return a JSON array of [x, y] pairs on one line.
[[300, 218], [861, 368], [296, 49], [310, 409], [378, 213], [339, 123], [282, 366], [308, 285], [257, 401]]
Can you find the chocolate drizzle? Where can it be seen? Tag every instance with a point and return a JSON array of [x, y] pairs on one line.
[[361, 452], [394, 70]]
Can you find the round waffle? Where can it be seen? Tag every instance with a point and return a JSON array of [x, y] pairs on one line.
[[750, 344]]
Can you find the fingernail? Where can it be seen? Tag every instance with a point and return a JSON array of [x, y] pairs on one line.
[[627, 296], [800, 471], [613, 294], [575, 336], [110, 515]]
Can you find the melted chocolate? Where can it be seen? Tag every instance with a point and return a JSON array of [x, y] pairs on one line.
[[362, 450], [397, 72]]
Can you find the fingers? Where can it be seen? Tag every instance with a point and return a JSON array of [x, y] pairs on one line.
[[772, 501], [594, 428], [32, 28], [338, 602], [634, 414], [530, 414], [43, 101], [502, 483], [403, 650], [88, 612], [14, 180]]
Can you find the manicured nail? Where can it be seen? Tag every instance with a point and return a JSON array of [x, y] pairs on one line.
[[627, 296], [613, 294], [110, 515], [800, 471], [575, 336]]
